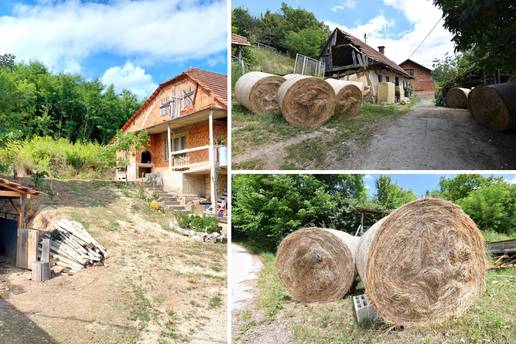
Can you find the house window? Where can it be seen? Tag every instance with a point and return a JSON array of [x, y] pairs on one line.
[[188, 96], [410, 71], [397, 81], [387, 78], [175, 105], [164, 107], [379, 78]]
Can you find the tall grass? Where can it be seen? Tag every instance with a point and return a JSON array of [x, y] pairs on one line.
[[57, 158]]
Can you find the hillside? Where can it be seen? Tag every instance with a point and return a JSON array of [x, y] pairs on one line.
[[156, 286]]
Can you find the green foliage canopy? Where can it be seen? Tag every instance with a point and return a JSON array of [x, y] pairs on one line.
[[487, 27], [36, 102], [390, 195], [292, 30]]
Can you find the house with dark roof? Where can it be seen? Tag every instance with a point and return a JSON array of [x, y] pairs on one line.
[[349, 58], [186, 119], [422, 81]]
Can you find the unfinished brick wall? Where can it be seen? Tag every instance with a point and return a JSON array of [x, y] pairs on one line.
[[422, 81], [199, 135]]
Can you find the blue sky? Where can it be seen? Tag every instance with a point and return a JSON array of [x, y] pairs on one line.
[[400, 25], [420, 183], [132, 44]]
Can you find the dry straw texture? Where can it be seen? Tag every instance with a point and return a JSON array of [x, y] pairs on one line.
[[306, 100], [348, 97], [317, 264], [258, 91], [457, 98], [494, 106], [422, 263]]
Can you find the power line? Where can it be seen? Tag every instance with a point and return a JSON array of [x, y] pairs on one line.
[[424, 39]]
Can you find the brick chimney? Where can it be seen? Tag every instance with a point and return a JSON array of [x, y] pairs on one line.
[[381, 49]]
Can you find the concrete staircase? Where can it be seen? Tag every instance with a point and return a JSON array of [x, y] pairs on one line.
[[167, 199]]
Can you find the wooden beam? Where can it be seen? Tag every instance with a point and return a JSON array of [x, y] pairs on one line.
[[8, 193], [169, 148]]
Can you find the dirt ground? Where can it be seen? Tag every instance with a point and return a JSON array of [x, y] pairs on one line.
[[428, 137], [156, 287]]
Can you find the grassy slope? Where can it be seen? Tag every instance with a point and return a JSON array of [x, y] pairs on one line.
[[488, 320], [156, 284], [258, 130]]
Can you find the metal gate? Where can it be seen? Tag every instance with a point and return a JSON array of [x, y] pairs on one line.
[[308, 66]]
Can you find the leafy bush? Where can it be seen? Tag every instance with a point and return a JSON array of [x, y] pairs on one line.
[[205, 223], [183, 219], [492, 207], [56, 158]]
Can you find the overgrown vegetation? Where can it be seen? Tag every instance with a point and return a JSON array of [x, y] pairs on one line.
[[37, 102], [205, 223], [266, 208], [291, 30]]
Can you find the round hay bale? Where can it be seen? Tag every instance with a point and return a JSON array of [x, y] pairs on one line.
[[257, 91], [494, 106], [424, 262], [457, 98], [306, 100], [317, 264], [349, 96]]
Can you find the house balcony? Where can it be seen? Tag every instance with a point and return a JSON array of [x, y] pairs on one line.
[[197, 159]]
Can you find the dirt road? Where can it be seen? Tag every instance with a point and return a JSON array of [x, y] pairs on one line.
[[431, 137], [245, 268]]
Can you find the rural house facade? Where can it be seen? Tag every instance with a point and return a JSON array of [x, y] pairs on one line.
[[422, 82], [348, 58], [186, 119]]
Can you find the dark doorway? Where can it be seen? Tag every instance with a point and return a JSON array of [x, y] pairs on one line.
[[146, 157], [8, 237]]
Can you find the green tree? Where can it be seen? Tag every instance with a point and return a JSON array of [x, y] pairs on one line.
[[307, 42], [462, 185], [391, 196], [242, 23], [488, 27], [492, 206]]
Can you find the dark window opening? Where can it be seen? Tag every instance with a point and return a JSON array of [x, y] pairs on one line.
[[387, 78], [379, 78], [146, 157]]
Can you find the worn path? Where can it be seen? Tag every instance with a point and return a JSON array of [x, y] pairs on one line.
[[245, 268], [431, 137]]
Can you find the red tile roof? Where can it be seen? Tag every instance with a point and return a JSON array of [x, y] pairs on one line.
[[239, 40], [373, 53], [417, 64], [4, 183], [213, 82]]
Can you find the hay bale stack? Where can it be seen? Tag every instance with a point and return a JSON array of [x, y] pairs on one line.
[[494, 106], [422, 263], [257, 91], [349, 95], [457, 98], [306, 100], [317, 264]]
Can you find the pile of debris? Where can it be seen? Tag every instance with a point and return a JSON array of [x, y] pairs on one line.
[[215, 237], [72, 247]]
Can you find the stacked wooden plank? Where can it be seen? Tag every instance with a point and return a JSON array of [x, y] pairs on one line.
[[72, 247]]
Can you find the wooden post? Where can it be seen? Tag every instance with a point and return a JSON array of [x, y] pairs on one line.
[[169, 148], [40, 271], [212, 166], [45, 251]]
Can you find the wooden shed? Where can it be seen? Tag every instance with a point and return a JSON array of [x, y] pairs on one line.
[[17, 243]]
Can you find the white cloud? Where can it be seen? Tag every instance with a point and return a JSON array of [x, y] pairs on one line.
[[512, 181], [62, 33], [422, 15], [129, 77], [213, 61], [344, 4]]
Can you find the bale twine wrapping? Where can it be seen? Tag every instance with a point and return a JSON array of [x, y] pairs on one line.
[[457, 98], [494, 106], [422, 263], [317, 264], [258, 91], [306, 100], [349, 96]]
